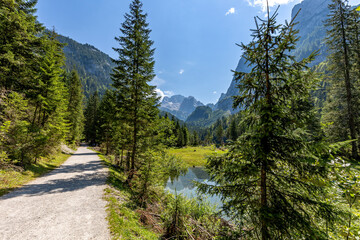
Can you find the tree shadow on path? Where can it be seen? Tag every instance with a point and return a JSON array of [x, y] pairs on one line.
[[71, 178]]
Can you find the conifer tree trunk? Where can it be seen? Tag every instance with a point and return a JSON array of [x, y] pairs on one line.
[[133, 153], [348, 85]]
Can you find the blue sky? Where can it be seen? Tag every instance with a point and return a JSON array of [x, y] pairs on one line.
[[195, 40]]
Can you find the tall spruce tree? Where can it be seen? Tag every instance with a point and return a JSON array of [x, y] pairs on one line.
[[18, 44], [343, 99], [266, 178], [75, 108], [108, 120], [136, 99], [91, 113]]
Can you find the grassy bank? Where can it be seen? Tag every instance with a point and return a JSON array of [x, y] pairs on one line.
[[11, 179], [195, 156], [124, 220]]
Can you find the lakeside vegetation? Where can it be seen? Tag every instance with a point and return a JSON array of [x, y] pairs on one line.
[[165, 215]]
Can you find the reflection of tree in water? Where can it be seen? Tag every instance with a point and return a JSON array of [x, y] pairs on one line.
[[186, 181], [200, 173]]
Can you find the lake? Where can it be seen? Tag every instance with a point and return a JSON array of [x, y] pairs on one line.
[[184, 185]]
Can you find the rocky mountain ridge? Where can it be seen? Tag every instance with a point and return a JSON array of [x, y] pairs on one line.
[[180, 106]]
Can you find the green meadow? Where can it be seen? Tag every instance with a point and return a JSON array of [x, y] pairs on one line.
[[195, 156]]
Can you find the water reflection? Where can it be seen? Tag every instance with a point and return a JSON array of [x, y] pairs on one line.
[[185, 185]]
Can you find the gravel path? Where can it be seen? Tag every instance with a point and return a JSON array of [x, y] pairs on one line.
[[64, 204]]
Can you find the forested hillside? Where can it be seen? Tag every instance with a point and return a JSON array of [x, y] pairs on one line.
[[93, 66]]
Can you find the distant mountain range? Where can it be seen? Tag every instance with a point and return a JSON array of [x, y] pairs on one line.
[[180, 106]]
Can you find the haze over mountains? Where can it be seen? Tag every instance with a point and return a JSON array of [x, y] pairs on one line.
[[95, 67]]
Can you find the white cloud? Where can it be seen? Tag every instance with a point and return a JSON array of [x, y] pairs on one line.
[[163, 94], [160, 93], [354, 2], [157, 81], [214, 92], [231, 11], [262, 3], [181, 71], [169, 93]]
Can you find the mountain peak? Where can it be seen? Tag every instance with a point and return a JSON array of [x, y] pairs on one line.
[[180, 106]]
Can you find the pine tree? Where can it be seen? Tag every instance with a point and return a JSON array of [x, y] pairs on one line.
[[233, 135], [265, 179], [136, 99], [107, 120], [219, 134], [342, 104], [92, 119], [19, 44], [75, 108], [48, 94], [48, 90], [185, 133]]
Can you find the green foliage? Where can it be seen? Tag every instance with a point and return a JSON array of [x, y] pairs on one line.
[[3, 131], [75, 116], [91, 119], [346, 193], [266, 180], [136, 99], [107, 118], [18, 44], [342, 103], [17, 142], [124, 222], [190, 219], [33, 93]]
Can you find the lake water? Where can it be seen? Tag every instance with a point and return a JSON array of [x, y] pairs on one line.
[[184, 185]]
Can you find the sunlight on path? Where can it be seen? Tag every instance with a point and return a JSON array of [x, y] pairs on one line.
[[64, 204]]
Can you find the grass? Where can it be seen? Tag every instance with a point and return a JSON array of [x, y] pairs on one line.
[[11, 179], [124, 221], [195, 156]]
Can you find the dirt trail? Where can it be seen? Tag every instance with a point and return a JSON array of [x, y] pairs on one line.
[[64, 204]]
